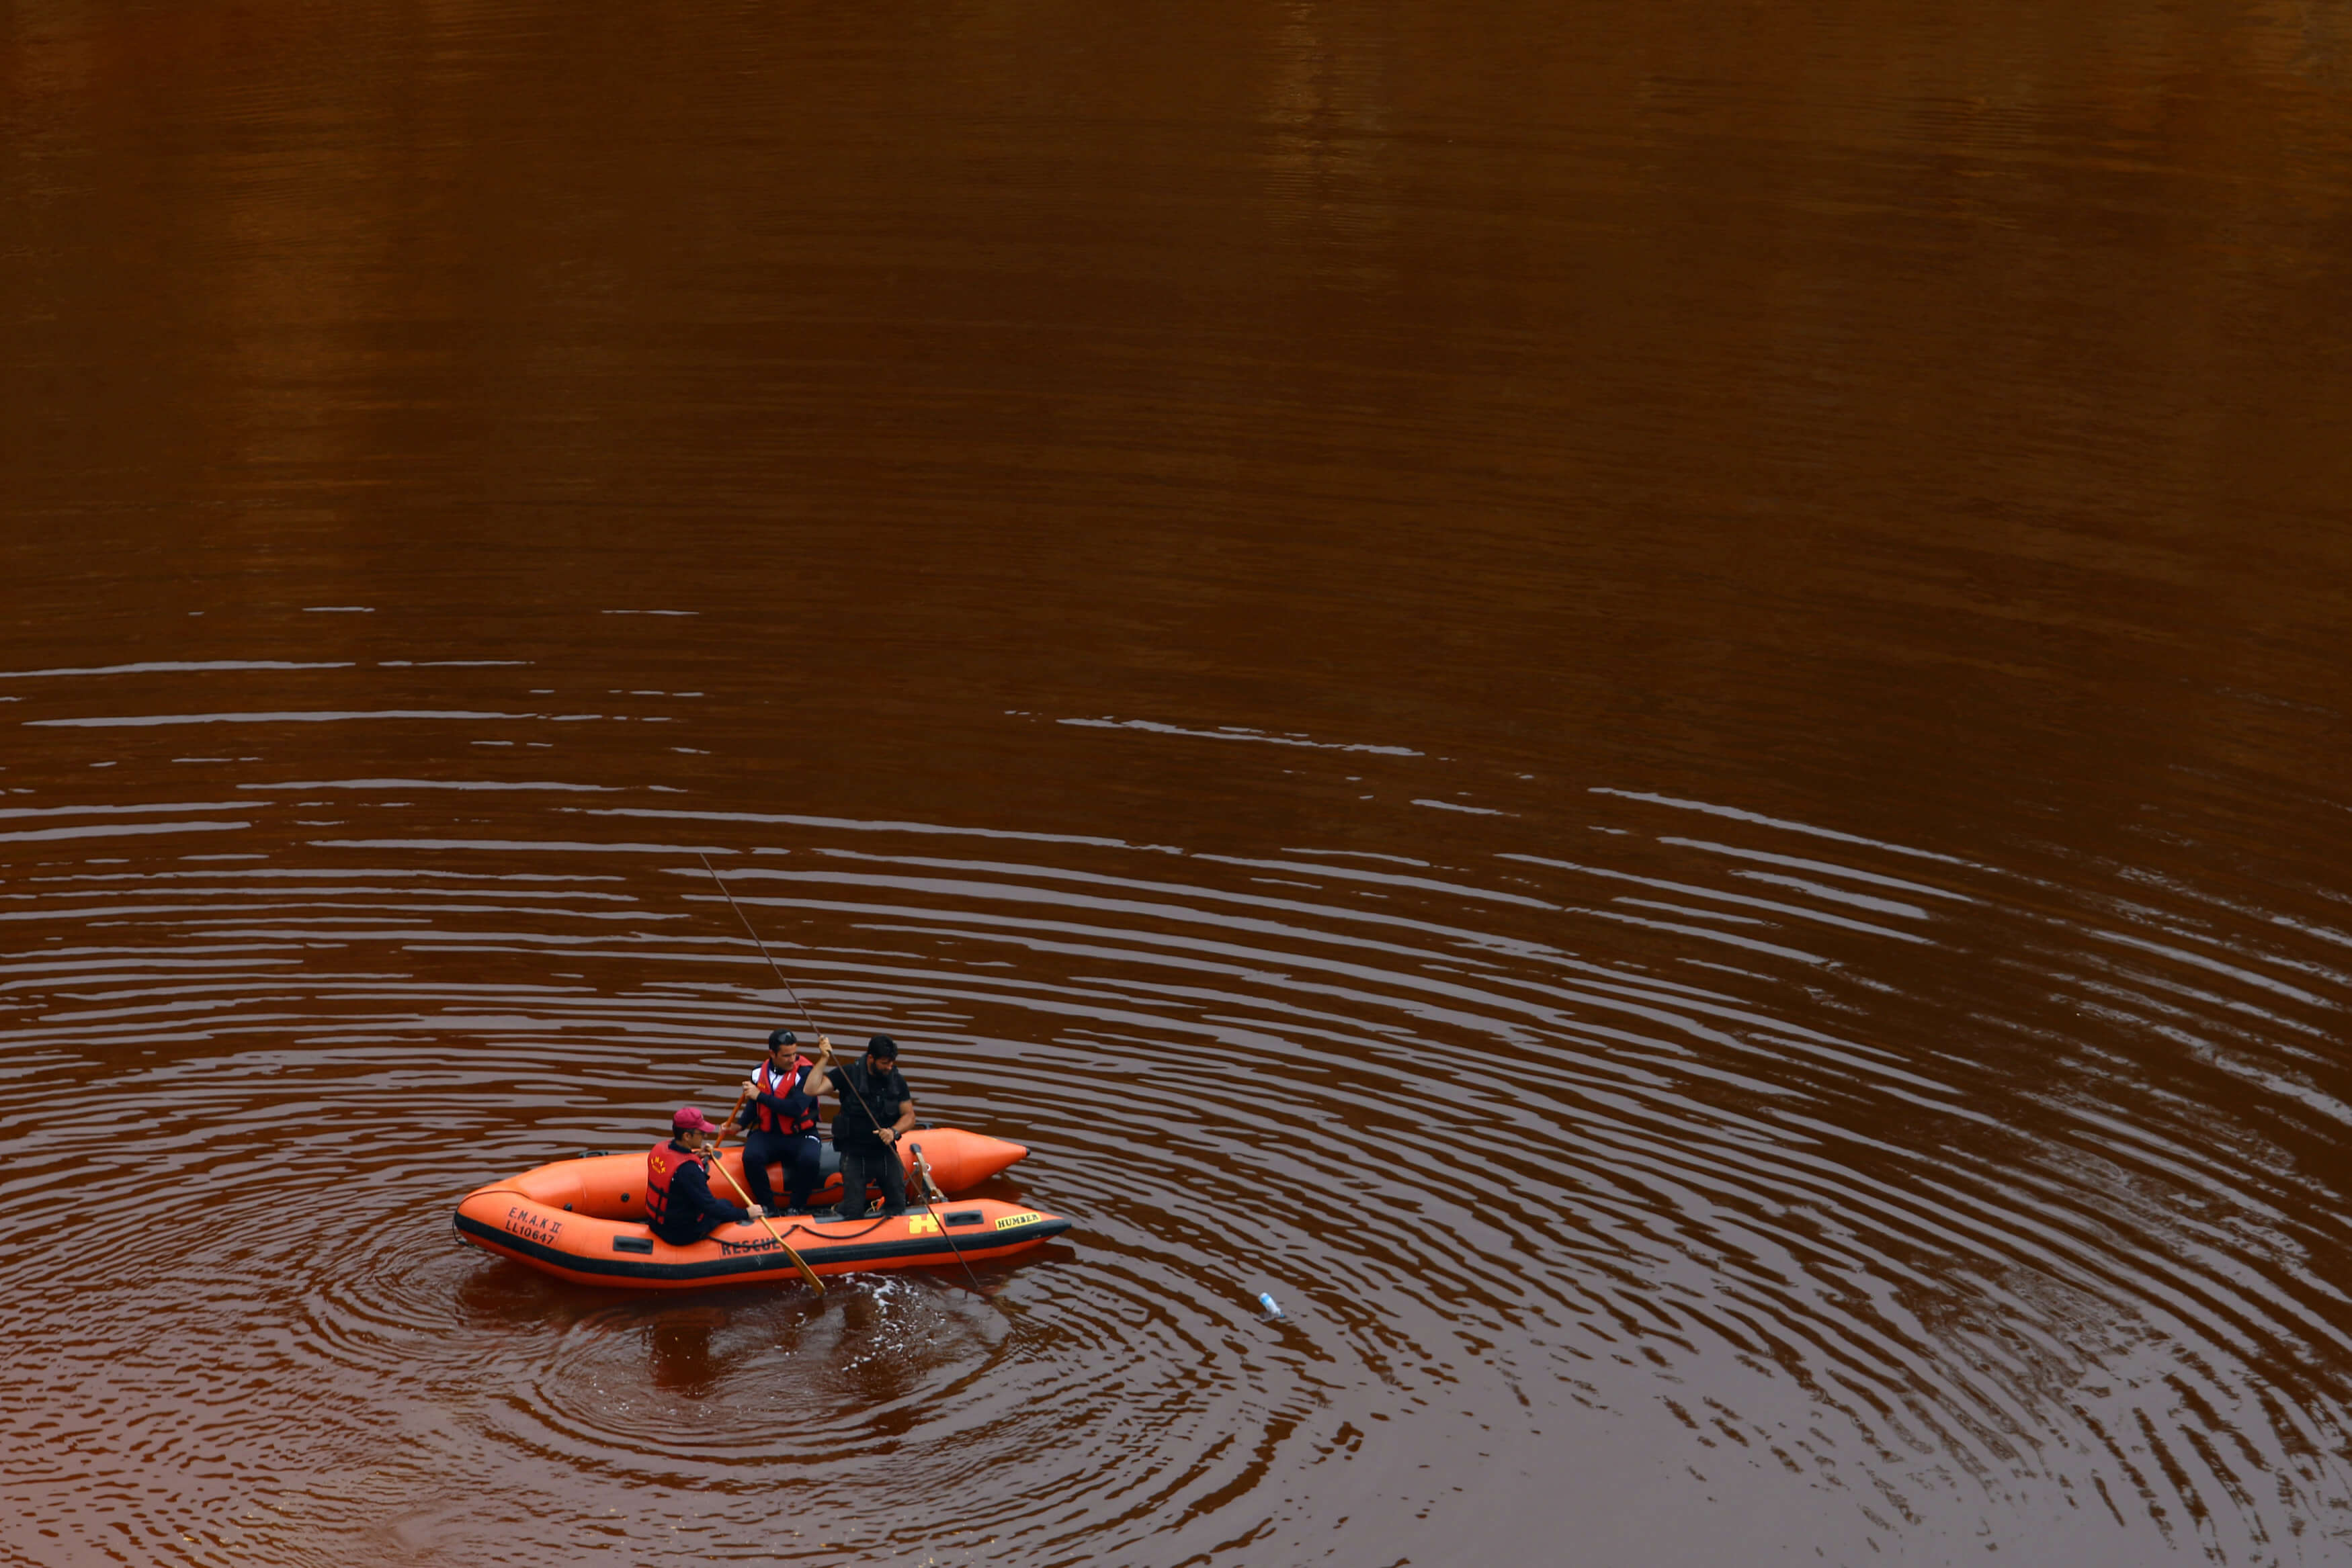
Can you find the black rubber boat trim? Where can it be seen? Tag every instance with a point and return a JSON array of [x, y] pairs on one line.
[[761, 1258]]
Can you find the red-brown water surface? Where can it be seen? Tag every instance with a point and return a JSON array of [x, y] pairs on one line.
[[1645, 703]]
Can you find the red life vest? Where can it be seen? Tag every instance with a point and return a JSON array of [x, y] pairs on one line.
[[661, 1162], [771, 1082]]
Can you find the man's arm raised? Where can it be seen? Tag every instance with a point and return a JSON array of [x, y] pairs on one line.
[[820, 1072]]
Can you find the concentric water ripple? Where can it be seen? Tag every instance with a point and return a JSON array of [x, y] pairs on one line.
[[1714, 1125]]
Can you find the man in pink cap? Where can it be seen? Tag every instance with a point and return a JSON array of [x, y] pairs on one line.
[[679, 1201]]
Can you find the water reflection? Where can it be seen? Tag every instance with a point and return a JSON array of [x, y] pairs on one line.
[[1649, 718], [680, 1359], [1978, 1268], [1747, 1165]]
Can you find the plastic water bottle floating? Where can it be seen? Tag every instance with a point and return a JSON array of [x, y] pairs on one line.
[[1266, 1299]]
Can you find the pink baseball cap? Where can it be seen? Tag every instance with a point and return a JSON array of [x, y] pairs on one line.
[[689, 1119]]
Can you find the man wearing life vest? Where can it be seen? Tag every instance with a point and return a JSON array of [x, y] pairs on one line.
[[679, 1202], [875, 1109], [781, 1119]]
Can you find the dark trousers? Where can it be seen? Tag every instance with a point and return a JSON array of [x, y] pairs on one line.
[[796, 1152], [874, 1162], [689, 1231]]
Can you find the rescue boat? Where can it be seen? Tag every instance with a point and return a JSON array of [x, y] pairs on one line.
[[583, 1219]]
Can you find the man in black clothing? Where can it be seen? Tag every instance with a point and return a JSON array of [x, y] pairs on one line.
[[876, 1109], [679, 1202], [781, 1119]]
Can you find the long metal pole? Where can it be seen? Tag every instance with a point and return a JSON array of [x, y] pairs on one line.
[[762, 947], [838, 1076]]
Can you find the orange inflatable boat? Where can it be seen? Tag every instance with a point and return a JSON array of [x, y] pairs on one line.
[[584, 1220]]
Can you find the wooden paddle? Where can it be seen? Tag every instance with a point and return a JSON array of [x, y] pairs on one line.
[[798, 1261]]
